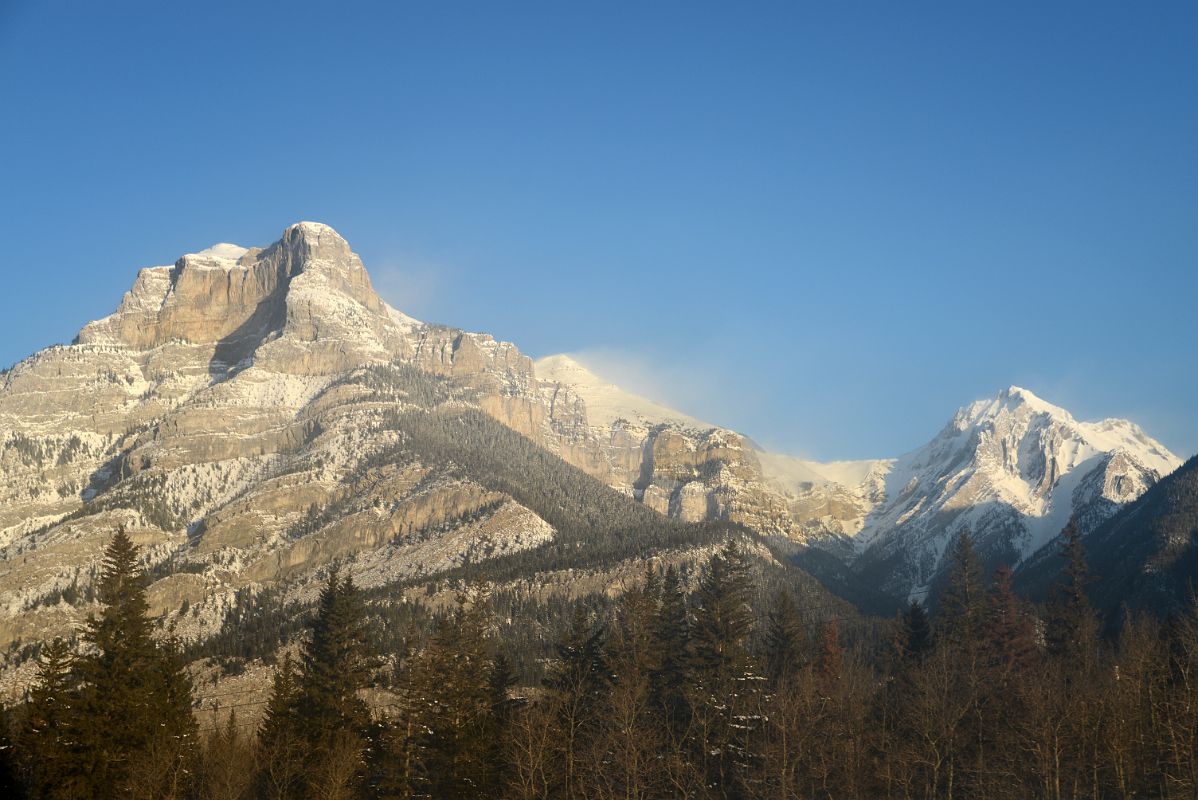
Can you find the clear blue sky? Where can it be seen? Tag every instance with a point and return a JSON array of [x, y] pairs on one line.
[[825, 224]]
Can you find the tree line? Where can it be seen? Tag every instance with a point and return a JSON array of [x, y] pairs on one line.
[[664, 693]]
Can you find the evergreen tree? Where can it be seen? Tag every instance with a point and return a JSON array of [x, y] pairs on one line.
[[1072, 630], [831, 654], [336, 662], [280, 750], [960, 615], [651, 586], [49, 741], [631, 738], [959, 691], [914, 634], [576, 682], [392, 760], [11, 783], [226, 769], [785, 637], [724, 680], [1010, 634], [460, 689], [671, 644], [500, 679], [137, 729], [723, 616]]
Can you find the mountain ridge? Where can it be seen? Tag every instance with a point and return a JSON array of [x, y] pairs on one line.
[[252, 415], [1097, 466]]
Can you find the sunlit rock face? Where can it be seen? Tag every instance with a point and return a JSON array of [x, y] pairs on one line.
[[304, 305]]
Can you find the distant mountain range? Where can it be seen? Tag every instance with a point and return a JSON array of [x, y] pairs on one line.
[[253, 415], [1011, 470]]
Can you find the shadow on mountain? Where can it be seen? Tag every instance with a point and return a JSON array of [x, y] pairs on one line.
[[106, 476], [235, 352], [887, 568]]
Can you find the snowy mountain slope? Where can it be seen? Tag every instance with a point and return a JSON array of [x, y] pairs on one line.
[[1143, 558], [1011, 470]]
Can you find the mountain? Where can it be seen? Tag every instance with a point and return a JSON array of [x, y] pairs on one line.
[[607, 404], [252, 416], [1011, 470]]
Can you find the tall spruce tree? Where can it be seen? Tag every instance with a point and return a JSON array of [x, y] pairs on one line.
[[50, 738], [226, 768], [831, 653], [671, 659], [723, 616], [1010, 638], [960, 614], [724, 685], [337, 662], [960, 626], [460, 688], [914, 633], [136, 727], [12, 782], [501, 677], [1072, 630], [280, 749], [631, 735], [785, 638], [576, 682]]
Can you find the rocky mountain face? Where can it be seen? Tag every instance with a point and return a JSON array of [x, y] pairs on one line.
[[1143, 558], [692, 470], [253, 415]]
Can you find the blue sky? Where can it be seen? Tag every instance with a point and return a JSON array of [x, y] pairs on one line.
[[827, 225]]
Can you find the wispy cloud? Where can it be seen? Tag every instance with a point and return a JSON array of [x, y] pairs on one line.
[[697, 385], [413, 285], [711, 386]]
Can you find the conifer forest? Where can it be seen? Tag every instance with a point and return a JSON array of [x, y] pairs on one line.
[[665, 691]]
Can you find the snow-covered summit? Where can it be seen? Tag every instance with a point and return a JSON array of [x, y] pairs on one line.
[[1011, 469], [1020, 411], [1012, 398], [308, 226], [222, 254]]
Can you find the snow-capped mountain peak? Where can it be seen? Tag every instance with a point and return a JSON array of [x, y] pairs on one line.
[[1011, 469], [222, 254]]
